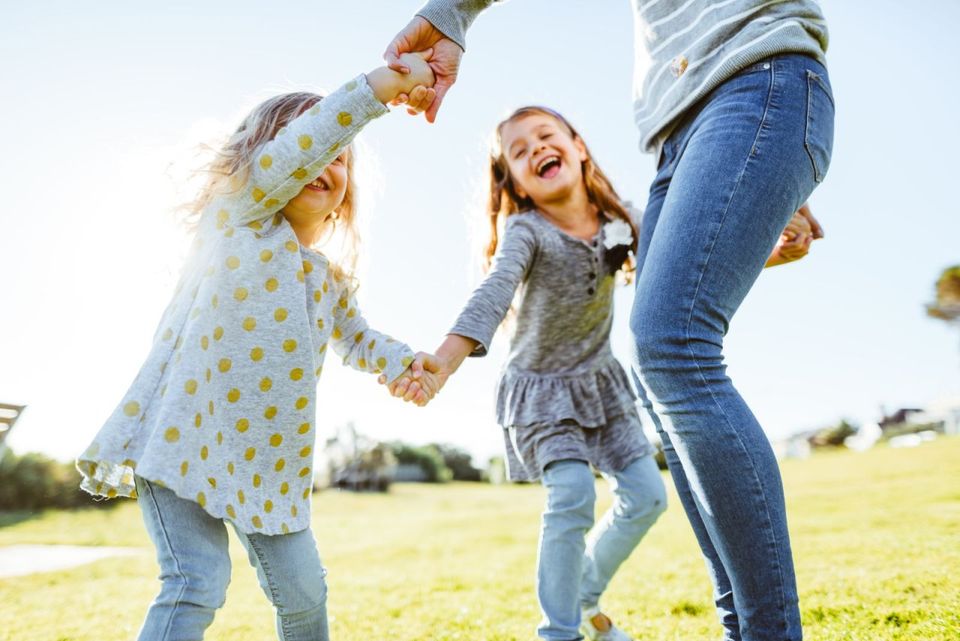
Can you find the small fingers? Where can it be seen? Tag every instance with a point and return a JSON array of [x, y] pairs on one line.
[[411, 391]]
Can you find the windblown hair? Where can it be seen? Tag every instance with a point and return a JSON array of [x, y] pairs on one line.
[[505, 201], [230, 168]]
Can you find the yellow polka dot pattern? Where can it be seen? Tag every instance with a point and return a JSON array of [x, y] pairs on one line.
[[240, 348]]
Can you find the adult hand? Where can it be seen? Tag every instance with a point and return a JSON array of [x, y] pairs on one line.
[[420, 35], [815, 227]]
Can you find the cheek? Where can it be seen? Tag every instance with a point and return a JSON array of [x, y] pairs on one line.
[[522, 180]]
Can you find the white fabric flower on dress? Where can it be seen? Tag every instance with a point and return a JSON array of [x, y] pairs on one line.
[[617, 232]]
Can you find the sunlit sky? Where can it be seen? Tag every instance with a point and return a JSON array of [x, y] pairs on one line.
[[99, 98]]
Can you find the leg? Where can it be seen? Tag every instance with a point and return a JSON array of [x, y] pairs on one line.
[[722, 590], [194, 565], [639, 499], [292, 576], [568, 515], [743, 165]]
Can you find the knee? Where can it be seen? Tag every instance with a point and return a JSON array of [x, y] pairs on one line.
[[309, 594], [672, 366], [204, 587], [571, 493], [643, 503]]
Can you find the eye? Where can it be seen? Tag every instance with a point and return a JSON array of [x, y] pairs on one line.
[[519, 153], [339, 160]]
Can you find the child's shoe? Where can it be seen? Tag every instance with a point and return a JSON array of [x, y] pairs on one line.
[[597, 626]]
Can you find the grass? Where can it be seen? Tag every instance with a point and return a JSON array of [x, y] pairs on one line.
[[876, 538]]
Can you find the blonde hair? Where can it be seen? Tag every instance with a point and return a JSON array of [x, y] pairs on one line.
[[230, 168], [504, 200]]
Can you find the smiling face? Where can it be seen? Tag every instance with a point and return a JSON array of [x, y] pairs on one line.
[[544, 158], [318, 200]]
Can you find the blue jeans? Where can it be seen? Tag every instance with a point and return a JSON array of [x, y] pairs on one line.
[[195, 570], [730, 178], [574, 566]]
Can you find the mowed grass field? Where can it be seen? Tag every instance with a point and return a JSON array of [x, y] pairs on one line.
[[876, 537]]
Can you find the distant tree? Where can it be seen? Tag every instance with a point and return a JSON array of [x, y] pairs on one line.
[[427, 458], [833, 436], [459, 461], [946, 305]]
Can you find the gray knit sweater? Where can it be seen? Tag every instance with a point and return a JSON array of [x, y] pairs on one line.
[[688, 47]]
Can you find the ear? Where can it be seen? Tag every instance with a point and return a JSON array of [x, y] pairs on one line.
[[581, 148]]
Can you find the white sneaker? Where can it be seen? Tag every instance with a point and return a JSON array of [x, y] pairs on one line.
[[591, 618]]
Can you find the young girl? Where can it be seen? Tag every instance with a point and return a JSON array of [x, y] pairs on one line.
[[219, 424], [560, 234], [563, 400]]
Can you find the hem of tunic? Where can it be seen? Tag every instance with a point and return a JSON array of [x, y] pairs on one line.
[[114, 480], [590, 399]]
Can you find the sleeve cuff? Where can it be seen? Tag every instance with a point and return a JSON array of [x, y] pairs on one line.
[[453, 18], [365, 101], [481, 337], [400, 364]]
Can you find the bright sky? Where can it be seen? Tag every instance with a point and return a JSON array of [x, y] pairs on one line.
[[100, 97]]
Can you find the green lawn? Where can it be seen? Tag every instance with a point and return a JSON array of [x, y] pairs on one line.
[[876, 538]]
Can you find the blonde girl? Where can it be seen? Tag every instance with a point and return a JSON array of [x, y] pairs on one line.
[[219, 425]]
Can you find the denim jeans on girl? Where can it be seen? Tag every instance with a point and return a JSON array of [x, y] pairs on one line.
[[574, 567], [195, 570], [730, 177]]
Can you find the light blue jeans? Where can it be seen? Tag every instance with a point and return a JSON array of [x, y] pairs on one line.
[[195, 571], [730, 177], [574, 566]]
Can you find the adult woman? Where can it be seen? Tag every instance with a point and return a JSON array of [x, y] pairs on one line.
[[737, 105]]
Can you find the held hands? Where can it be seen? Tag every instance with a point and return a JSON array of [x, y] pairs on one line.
[[420, 382], [795, 240], [413, 88], [444, 60]]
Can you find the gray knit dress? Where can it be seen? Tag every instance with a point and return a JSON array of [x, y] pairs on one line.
[[561, 393]]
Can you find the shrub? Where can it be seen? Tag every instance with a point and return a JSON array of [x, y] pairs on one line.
[[34, 481]]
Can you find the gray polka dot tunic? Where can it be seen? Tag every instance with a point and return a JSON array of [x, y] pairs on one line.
[[223, 411]]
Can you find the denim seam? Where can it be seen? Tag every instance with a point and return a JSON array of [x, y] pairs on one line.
[[261, 559], [696, 359], [813, 80], [176, 561]]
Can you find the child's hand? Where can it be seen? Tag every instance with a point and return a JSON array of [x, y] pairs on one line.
[[390, 86], [420, 71], [421, 381], [418, 101]]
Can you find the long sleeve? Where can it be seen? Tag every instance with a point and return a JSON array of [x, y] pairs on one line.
[[489, 303], [363, 348], [454, 17], [299, 153]]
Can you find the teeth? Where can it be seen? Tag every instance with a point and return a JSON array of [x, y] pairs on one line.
[[545, 163]]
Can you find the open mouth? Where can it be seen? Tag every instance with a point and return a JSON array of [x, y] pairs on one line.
[[318, 185], [549, 167]]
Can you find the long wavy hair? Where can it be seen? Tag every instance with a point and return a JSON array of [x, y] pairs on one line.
[[230, 168], [504, 200]]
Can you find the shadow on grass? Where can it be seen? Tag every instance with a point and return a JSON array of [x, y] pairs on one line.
[[13, 518]]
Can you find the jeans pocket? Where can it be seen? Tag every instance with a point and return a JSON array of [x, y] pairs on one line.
[[818, 137]]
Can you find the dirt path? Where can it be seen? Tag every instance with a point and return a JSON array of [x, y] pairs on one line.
[[19, 560]]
